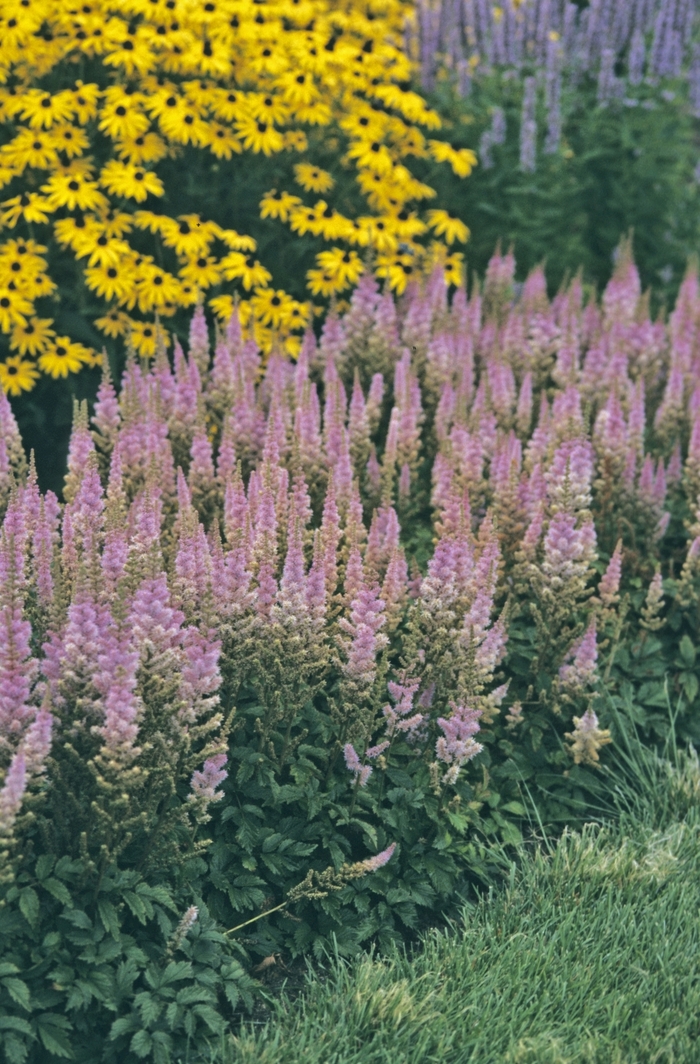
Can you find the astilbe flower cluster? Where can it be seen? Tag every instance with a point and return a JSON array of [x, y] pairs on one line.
[[233, 525], [109, 698]]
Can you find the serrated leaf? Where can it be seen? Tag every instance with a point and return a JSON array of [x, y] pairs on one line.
[[8, 969], [212, 1019], [53, 1034], [141, 1044], [78, 918], [124, 1025], [44, 865], [57, 889], [18, 991], [108, 916], [29, 905], [16, 1023]]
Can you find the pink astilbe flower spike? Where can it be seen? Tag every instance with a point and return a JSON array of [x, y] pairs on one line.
[[199, 338], [568, 550], [400, 717], [366, 640], [456, 746], [373, 864], [204, 783], [12, 793], [609, 586], [583, 658], [116, 682], [18, 667], [361, 772], [107, 417]]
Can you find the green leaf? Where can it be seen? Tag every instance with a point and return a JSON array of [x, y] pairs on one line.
[[141, 1044], [108, 916], [58, 890], [124, 1025], [52, 1031], [687, 651], [78, 918], [690, 686], [44, 865], [16, 1023], [29, 905], [8, 969], [18, 991], [212, 1018]]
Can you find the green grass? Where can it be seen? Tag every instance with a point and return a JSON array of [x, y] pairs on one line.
[[587, 953]]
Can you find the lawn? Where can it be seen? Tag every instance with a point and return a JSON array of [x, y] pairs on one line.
[[587, 953]]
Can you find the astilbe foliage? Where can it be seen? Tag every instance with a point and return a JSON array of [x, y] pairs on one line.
[[402, 593]]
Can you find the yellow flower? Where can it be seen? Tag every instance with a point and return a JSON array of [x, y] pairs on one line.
[[203, 272], [144, 336], [41, 109], [14, 308], [397, 270], [259, 136], [17, 375], [276, 204], [28, 207], [156, 287], [222, 141], [454, 269], [63, 357], [114, 323], [143, 149], [245, 268], [462, 161], [32, 337], [30, 147], [189, 236], [345, 265], [110, 282], [445, 224], [222, 306], [71, 188], [313, 178], [130, 181], [325, 284], [71, 140], [270, 307]]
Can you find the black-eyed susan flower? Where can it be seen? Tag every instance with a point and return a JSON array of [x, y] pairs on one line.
[[145, 335], [17, 375], [143, 150], [71, 187], [130, 181], [28, 207], [313, 178], [15, 308], [276, 204], [114, 323], [270, 307], [346, 265], [259, 135], [32, 337], [202, 271], [110, 282], [63, 357], [245, 268], [323, 283], [447, 225]]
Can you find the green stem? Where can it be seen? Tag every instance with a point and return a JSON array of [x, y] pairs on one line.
[[253, 919]]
